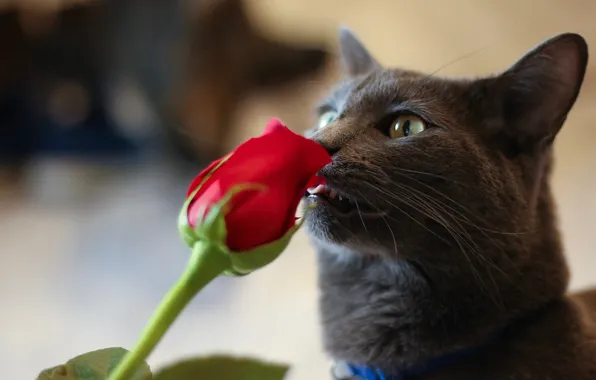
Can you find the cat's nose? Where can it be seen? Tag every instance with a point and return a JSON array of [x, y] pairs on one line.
[[328, 140], [331, 149]]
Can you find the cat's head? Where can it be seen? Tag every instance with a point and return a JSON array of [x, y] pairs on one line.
[[437, 198]]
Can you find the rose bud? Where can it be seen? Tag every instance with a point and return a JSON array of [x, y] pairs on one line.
[[247, 200]]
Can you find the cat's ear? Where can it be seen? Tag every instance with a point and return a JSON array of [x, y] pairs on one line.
[[355, 57], [538, 91]]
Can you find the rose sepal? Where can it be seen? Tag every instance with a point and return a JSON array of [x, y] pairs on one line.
[[188, 234], [243, 263], [211, 228]]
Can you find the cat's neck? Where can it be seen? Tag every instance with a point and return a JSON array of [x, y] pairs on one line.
[[397, 313]]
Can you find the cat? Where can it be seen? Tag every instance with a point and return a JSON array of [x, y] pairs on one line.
[[436, 233]]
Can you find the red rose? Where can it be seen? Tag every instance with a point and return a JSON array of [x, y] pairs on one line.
[[280, 161]]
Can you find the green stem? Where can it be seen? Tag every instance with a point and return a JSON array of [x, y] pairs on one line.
[[206, 263]]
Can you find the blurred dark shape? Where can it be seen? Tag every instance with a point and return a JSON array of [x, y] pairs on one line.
[[52, 86], [231, 59], [116, 76]]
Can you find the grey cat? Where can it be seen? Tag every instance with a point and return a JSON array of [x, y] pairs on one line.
[[439, 254]]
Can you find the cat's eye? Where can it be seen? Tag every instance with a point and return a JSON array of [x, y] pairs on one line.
[[406, 125], [326, 118]]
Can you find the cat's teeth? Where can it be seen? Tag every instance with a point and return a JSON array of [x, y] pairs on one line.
[[322, 189], [319, 189]]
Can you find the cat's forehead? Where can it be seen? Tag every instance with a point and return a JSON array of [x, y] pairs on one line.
[[385, 90]]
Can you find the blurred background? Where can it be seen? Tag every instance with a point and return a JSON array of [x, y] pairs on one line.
[[109, 108]]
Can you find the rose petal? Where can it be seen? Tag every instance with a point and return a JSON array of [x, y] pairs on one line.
[[273, 125], [199, 178], [283, 161]]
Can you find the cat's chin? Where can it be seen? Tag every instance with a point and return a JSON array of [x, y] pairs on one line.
[[326, 225], [329, 225]]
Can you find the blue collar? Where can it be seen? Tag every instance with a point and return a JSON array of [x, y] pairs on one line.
[[365, 372]]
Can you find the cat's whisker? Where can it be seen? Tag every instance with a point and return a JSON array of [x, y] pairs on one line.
[[460, 240], [435, 200], [391, 232], [456, 229], [460, 236], [384, 220], [459, 217], [434, 175], [462, 232], [423, 152], [482, 230], [457, 204], [408, 215], [424, 200], [429, 76], [360, 215]]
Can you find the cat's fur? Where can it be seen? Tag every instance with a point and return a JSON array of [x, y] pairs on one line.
[[467, 254]]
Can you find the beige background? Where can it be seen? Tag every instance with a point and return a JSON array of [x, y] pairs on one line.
[[87, 252]]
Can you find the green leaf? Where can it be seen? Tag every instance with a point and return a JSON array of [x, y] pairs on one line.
[[221, 367], [95, 365]]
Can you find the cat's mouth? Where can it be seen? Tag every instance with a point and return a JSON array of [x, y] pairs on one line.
[[340, 202]]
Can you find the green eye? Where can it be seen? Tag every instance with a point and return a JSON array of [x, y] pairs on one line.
[[326, 118], [406, 125]]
